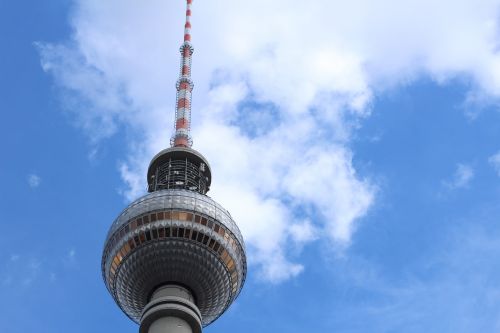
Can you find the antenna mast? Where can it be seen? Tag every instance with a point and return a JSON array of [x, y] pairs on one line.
[[182, 137]]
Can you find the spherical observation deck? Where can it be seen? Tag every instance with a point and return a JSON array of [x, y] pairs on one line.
[[176, 236]]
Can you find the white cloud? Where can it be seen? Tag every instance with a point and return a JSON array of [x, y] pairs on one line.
[[495, 162], [20, 271], [303, 232], [34, 180], [462, 177], [280, 86], [27, 270], [33, 271], [70, 259]]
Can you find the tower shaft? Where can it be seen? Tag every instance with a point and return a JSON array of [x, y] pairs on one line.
[[170, 325], [182, 137], [171, 310]]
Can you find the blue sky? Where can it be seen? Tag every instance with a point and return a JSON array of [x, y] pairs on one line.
[[365, 176]]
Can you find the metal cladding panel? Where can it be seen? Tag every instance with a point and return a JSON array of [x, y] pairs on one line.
[[176, 199], [152, 264]]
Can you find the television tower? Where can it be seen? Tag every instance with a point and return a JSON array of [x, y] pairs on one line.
[[174, 260]]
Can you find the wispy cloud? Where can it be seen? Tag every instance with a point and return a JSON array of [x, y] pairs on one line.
[[32, 272], [28, 270], [20, 271], [453, 289], [34, 180], [495, 162], [462, 177], [70, 260]]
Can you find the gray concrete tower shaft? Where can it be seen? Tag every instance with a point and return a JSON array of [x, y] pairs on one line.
[[171, 310]]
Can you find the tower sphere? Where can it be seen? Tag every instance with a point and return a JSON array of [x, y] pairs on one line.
[[175, 236]]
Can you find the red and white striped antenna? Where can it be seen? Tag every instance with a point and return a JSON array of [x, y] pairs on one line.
[[182, 137]]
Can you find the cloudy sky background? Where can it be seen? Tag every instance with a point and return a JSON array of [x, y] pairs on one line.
[[357, 146]]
